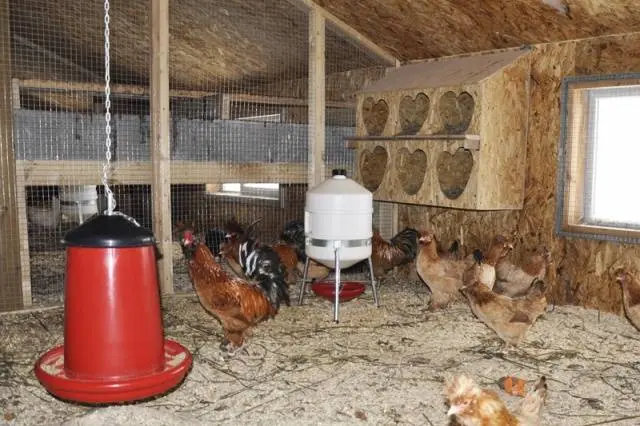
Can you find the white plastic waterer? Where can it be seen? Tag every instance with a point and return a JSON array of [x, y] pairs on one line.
[[78, 203], [338, 220]]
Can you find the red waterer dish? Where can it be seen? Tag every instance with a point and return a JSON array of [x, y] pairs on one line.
[[114, 348]]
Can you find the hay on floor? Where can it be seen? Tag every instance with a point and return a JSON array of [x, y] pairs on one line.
[[379, 366]]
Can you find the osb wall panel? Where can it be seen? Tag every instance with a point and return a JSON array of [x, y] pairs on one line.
[[340, 86], [581, 273], [504, 135]]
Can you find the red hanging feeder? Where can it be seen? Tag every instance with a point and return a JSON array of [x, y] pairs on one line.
[[114, 348]]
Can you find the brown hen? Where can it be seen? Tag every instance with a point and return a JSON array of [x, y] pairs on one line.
[[630, 296], [484, 267], [514, 281], [510, 318], [293, 236], [442, 276]]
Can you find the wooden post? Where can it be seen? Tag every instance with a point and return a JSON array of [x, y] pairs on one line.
[[310, 6], [10, 274], [316, 97], [225, 110], [160, 145]]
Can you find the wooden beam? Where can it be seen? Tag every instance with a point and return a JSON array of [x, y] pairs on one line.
[[25, 260], [120, 89], [15, 93], [225, 110], [55, 172], [316, 97], [51, 57], [160, 141], [10, 275], [344, 28], [272, 100], [142, 91]]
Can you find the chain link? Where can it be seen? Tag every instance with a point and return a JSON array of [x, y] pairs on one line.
[[106, 169]]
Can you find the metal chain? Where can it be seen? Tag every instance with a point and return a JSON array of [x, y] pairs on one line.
[[106, 169]]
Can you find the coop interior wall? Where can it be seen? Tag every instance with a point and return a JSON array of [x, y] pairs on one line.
[[580, 273]]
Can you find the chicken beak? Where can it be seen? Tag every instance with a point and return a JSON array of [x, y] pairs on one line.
[[453, 410]]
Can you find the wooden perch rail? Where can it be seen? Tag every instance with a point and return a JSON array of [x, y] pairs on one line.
[[470, 141]]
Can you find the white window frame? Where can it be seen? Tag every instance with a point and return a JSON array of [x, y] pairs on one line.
[[574, 213]]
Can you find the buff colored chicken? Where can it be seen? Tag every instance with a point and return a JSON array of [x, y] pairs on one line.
[[510, 318], [514, 281], [484, 267], [442, 276], [630, 296], [472, 406]]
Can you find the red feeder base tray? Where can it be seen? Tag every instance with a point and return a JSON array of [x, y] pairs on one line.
[[327, 289], [50, 372]]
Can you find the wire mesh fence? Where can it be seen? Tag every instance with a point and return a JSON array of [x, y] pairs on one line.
[[239, 125]]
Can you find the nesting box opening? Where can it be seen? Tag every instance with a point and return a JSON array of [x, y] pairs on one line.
[[373, 166], [411, 167], [413, 112], [375, 115], [456, 112], [454, 171]]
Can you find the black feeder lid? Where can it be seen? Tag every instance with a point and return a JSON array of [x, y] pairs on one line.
[[104, 231]]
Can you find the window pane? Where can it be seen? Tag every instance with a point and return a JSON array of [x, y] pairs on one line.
[[231, 187], [616, 152], [262, 185]]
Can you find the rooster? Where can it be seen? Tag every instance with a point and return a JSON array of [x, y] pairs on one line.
[[386, 255], [263, 264], [213, 238], [510, 318], [514, 281], [473, 406], [443, 276], [630, 296], [238, 240], [234, 235], [293, 236], [236, 303]]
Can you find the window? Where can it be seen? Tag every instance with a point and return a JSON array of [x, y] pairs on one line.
[[598, 158], [263, 191]]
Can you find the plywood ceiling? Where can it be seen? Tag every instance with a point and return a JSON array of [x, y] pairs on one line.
[[239, 43], [420, 29], [231, 44]]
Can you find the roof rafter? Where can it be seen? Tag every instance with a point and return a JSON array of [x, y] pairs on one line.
[[347, 30]]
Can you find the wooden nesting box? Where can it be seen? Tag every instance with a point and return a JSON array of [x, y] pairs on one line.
[[448, 132]]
